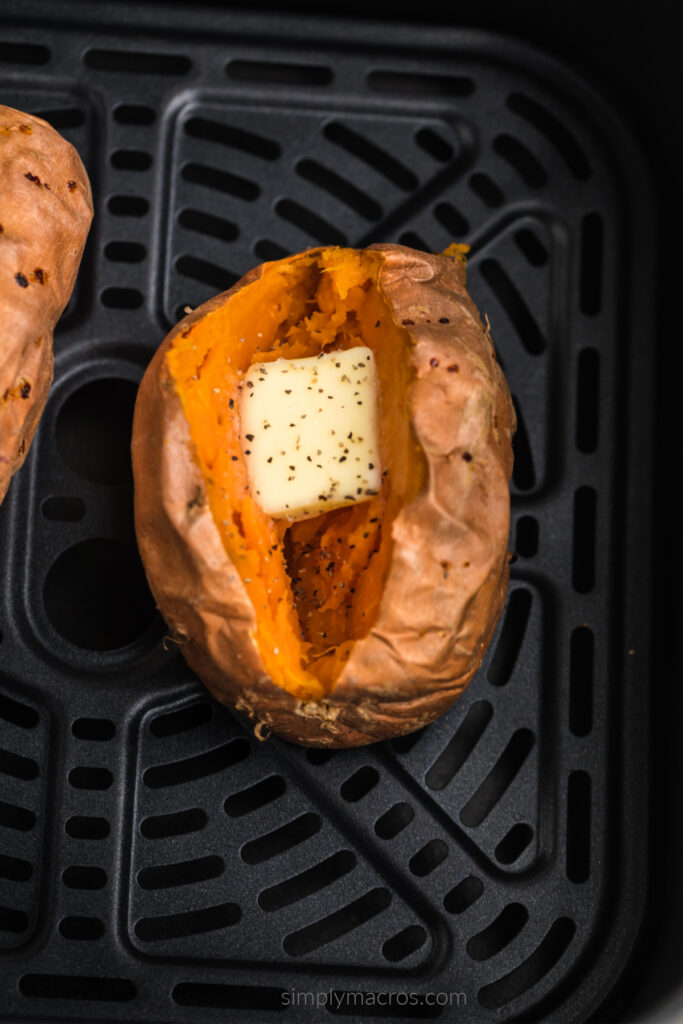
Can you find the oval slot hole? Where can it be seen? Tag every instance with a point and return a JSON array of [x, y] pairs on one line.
[[581, 681], [588, 400], [87, 777], [428, 858], [511, 637], [451, 219], [308, 882], [82, 876], [459, 748], [63, 509], [232, 137], [499, 934], [369, 153], [83, 928], [359, 784], [254, 797], [463, 895], [578, 826], [180, 823], [192, 922], [188, 872], [583, 551], [274, 843], [175, 722], [394, 820], [200, 766], [335, 925], [18, 714], [95, 730], [406, 942], [499, 779], [514, 843]]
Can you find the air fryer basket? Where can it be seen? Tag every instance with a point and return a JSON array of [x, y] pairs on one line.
[[157, 862]]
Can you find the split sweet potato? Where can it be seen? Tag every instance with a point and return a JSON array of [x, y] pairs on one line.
[[364, 622]]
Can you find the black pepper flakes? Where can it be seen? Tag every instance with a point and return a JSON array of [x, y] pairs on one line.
[[234, 458], [466, 457], [408, 323], [249, 437], [33, 177], [25, 389], [433, 362], [71, 185], [231, 403], [21, 280]]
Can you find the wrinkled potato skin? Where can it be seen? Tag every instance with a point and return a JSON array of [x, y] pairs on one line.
[[44, 222], [449, 572]]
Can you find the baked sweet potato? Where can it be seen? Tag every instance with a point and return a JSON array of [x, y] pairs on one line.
[[367, 621], [45, 215]]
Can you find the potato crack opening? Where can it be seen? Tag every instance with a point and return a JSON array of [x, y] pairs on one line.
[[315, 585]]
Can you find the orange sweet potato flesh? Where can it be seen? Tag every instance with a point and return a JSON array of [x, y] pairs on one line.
[[45, 214], [367, 621]]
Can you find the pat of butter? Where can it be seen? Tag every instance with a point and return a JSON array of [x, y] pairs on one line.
[[309, 432]]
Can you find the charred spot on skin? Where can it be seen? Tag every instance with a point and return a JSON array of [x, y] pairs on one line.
[[444, 320], [71, 185], [21, 280], [408, 323], [24, 388], [445, 566], [40, 275], [195, 503], [33, 177], [433, 362], [26, 129], [453, 368]]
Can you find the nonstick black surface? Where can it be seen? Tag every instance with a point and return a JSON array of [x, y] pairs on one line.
[[156, 861]]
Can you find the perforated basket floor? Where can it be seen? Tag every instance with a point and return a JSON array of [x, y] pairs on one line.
[[157, 863]]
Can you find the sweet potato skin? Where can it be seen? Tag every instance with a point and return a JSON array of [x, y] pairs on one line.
[[45, 214], [448, 577]]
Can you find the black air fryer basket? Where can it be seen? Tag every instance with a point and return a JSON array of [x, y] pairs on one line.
[[157, 862]]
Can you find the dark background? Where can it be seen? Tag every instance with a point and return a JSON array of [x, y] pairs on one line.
[[633, 53]]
